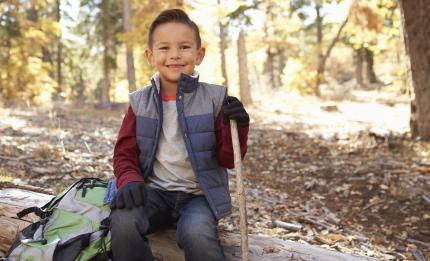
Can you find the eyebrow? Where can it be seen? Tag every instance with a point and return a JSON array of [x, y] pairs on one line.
[[183, 42]]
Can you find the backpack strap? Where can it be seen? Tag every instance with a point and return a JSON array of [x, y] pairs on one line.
[[79, 184], [36, 210], [91, 184]]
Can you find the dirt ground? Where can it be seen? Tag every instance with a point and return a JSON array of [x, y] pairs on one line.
[[344, 172]]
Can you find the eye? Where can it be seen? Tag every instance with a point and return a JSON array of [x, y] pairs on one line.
[[163, 48], [185, 47]]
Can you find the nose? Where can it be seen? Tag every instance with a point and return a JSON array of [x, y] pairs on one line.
[[175, 54]]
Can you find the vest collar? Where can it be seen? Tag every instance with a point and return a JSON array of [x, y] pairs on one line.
[[187, 83]]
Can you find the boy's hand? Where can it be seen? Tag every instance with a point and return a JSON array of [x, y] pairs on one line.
[[131, 195], [234, 110]]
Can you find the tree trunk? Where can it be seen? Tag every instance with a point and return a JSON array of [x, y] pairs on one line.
[[7, 88], [269, 67], [163, 244], [106, 80], [244, 87], [80, 87], [359, 66], [7, 93], [131, 75], [280, 65], [319, 24], [416, 22], [222, 48], [59, 52], [322, 62], [105, 97], [371, 76], [320, 69]]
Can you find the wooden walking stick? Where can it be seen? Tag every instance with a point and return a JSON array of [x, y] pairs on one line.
[[240, 189]]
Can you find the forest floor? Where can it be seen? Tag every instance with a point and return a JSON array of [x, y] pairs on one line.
[[344, 172]]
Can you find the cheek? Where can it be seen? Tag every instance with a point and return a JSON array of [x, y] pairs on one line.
[[159, 60]]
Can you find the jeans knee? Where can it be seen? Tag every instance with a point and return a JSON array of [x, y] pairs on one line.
[[125, 223], [196, 236], [200, 244]]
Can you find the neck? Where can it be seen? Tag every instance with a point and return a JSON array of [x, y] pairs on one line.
[[168, 88]]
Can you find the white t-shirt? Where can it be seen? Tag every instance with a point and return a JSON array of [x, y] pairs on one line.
[[172, 167]]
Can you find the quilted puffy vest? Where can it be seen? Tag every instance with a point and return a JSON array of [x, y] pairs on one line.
[[198, 105]]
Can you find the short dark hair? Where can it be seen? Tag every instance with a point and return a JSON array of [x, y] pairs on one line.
[[173, 16]]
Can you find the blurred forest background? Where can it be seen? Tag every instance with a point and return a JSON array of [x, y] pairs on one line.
[[337, 91], [92, 50]]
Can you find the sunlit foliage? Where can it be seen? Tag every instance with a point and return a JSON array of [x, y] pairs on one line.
[[27, 33], [286, 40]]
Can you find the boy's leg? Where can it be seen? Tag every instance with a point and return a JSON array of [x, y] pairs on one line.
[[197, 232], [129, 227]]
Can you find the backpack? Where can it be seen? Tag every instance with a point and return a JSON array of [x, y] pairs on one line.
[[74, 225]]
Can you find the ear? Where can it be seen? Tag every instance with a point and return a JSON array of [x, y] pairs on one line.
[[149, 57], [200, 55]]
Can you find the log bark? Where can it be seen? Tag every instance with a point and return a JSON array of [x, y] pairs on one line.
[[163, 243]]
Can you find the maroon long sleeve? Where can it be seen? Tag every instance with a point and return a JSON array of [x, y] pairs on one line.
[[225, 154], [126, 152]]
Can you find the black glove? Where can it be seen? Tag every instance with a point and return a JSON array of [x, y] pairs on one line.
[[131, 195], [234, 110]]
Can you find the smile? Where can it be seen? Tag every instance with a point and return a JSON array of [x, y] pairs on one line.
[[174, 66]]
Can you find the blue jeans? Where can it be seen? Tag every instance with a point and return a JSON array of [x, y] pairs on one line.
[[196, 227]]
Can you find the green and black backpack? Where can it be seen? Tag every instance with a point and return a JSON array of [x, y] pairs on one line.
[[74, 225]]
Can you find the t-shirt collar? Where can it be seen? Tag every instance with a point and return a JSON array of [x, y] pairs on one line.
[[187, 83]]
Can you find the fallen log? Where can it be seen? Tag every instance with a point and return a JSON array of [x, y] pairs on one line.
[[163, 243]]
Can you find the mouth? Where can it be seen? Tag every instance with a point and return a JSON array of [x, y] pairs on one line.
[[175, 66]]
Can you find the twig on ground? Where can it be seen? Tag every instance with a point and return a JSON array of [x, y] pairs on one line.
[[289, 226], [426, 199]]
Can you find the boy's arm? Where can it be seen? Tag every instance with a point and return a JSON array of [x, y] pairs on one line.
[[126, 152], [224, 144]]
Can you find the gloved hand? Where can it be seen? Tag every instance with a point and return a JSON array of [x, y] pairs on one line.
[[234, 110], [131, 195]]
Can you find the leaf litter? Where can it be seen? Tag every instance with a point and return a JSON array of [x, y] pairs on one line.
[[363, 191]]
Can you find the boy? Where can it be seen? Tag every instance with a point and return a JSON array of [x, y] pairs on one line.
[[172, 150]]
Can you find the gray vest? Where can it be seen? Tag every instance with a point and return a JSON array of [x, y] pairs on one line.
[[198, 105]]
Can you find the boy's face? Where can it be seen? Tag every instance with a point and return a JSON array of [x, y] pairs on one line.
[[174, 51]]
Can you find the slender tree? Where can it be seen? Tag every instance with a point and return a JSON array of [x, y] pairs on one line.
[[323, 57], [244, 86], [102, 24], [131, 75], [59, 49], [222, 47], [276, 41], [240, 17], [359, 65]]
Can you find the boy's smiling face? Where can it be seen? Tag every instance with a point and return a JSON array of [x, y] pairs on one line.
[[174, 51]]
